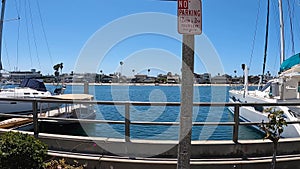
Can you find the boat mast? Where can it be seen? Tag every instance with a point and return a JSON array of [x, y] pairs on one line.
[[282, 56], [1, 30], [266, 43]]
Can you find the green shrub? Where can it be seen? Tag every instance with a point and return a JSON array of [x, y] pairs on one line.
[[54, 164], [21, 151]]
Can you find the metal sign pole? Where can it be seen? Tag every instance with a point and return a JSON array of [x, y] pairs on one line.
[[186, 109], [189, 19]]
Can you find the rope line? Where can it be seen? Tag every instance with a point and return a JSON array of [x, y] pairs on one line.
[[43, 29], [34, 37], [254, 38], [6, 52], [291, 26], [27, 29]]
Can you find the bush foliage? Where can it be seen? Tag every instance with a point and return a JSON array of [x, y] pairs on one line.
[[54, 164], [21, 151]]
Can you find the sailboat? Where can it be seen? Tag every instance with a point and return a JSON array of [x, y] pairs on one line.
[[285, 88], [29, 88]]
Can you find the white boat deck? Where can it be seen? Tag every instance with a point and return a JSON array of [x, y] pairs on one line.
[[62, 112], [295, 110]]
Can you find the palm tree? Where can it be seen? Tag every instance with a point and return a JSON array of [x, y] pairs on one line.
[[56, 68], [61, 67], [121, 63], [101, 75]]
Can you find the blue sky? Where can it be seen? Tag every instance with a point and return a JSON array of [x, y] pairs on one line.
[[229, 26]]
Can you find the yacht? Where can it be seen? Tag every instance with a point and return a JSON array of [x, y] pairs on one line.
[[283, 89], [29, 88]]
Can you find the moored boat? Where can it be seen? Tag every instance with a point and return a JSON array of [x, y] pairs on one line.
[[283, 89], [29, 88]]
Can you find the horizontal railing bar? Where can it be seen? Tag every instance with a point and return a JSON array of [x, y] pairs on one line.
[[249, 123], [154, 123], [213, 123], [49, 119], [137, 122], [133, 103], [177, 123]]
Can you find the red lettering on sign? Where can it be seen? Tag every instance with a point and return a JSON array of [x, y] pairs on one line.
[[183, 4]]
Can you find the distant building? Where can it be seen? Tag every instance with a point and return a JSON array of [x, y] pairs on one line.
[[68, 79], [219, 80], [139, 78], [106, 79], [236, 80], [149, 80], [203, 78], [49, 79], [173, 79], [85, 77], [18, 76]]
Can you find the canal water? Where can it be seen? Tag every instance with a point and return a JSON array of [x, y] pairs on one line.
[[146, 93]]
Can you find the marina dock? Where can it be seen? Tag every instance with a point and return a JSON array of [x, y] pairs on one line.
[[64, 111]]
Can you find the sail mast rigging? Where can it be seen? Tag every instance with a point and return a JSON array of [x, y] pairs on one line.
[[282, 47], [266, 41]]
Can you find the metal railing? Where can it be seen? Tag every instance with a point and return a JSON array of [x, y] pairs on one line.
[[127, 122]]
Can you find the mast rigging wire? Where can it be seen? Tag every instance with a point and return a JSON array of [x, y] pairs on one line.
[[6, 52], [33, 34], [291, 26], [18, 35], [27, 29], [254, 38], [43, 29]]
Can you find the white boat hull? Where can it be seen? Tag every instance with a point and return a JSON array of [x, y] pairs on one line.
[[249, 114], [17, 107]]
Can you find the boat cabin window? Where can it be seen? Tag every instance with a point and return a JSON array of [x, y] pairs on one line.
[[266, 86]]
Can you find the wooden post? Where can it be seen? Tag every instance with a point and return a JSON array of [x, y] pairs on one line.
[[235, 135], [186, 109], [35, 119]]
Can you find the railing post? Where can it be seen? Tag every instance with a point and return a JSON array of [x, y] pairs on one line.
[[127, 122], [86, 87], [235, 136], [35, 119]]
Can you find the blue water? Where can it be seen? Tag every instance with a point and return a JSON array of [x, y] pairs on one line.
[[156, 113]]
